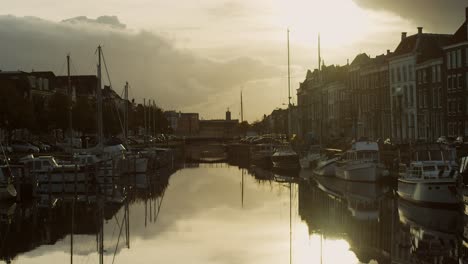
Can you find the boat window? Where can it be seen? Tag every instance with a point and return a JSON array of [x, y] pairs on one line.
[[37, 164], [443, 167], [429, 168], [418, 172]]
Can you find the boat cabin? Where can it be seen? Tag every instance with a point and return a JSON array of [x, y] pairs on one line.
[[367, 151], [85, 159], [40, 164], [430, 169]]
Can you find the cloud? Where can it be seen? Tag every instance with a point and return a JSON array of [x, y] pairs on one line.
[[112, 21], [437, 15], [228, 9], [175, 78]]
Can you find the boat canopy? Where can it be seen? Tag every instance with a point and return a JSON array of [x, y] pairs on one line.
[[365, 146]]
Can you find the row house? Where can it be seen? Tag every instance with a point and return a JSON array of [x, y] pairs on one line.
[[455, 59], [408, 125], [81, 86], [368, 83], [323, 106], [431, 104], [375, 114]]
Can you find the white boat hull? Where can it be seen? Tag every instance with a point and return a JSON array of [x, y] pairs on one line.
[[325, 168], [437, 191], [361, 172]]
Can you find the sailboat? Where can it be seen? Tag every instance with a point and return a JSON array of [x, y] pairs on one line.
[[285, 158]]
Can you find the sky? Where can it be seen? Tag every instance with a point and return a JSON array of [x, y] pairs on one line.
[[196, 56]]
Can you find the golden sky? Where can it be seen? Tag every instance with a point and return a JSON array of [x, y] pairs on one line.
[[243, 37]]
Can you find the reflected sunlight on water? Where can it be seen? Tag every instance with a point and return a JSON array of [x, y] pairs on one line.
[[209, 215]]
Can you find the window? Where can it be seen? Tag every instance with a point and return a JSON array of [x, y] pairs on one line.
[[410, 72], [405, 74], [449, 64], [420, 99], [433, 76], [392, 73], [459, 105], [439, 97], [459, 58], [466, 62], [398, 74], [453, 59], [438, 73], [418, 76], [454, 81], [405, 95], [466, 81], [460, 81], [424, 76], [411, 95], [449, 82], [425, 99]]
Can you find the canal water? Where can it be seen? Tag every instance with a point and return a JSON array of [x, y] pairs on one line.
[[218, 213]]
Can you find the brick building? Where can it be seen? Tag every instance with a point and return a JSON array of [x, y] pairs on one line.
[[456, 81]]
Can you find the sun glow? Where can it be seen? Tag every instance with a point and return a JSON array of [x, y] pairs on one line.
[[340, 22], [310, 249]]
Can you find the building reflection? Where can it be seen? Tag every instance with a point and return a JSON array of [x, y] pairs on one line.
[[26, 227], [360, 213], [378, 226]]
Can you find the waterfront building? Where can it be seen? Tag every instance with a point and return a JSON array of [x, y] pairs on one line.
[[455, 60], [402, 67]]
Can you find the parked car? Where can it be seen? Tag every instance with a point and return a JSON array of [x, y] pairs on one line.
[[23, 146]]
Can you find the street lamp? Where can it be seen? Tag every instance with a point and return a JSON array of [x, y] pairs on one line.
[[399, 94]]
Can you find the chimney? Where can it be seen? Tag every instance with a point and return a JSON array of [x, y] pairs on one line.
[[420, 30], [403, 35], [388, 51], [228, 115]]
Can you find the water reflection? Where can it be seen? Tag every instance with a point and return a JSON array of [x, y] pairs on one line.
[[216, 213]]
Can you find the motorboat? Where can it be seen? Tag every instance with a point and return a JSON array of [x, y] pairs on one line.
[[311, 158], [285, 158], [430, 181], [260, 154], [327, 163], [361, 163]]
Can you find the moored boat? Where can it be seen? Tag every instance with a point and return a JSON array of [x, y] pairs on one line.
[[311, 158], [285, 158], [430, 182], [361, 163]]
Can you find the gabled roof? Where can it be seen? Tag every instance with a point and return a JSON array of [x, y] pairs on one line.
[[360, 59], [460, 35], [427, 46]]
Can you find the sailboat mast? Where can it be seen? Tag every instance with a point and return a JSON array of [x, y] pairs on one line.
[[319, 58], [289, 93], [126, 113], [70, 101], [154, 118], [242, 109], [144, 118], [321, 95], [99, 100], [289, 76]]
